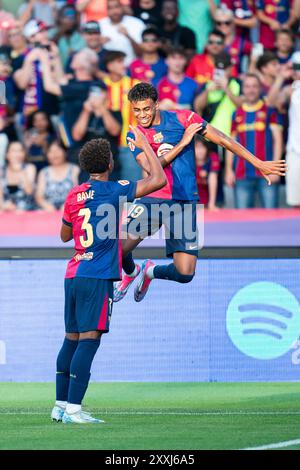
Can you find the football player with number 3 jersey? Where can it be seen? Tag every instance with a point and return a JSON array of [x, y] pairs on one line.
[[91, 217]]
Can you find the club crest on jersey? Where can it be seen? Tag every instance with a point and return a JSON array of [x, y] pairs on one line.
[[123, 182], [158, 138]]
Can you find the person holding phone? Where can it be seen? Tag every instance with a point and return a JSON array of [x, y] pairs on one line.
[[97, 120], [219, 97]]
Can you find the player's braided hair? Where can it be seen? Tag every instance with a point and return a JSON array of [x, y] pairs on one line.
[[143, 91], [94, 157]]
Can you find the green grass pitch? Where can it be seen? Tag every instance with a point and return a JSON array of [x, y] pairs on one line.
[[162, 416]]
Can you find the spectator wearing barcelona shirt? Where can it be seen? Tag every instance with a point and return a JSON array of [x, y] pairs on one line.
[[207, 169], [274, 15], [201, 67], [176, 90], [237, 47], [150, 67], [258, 127], [244, 14]]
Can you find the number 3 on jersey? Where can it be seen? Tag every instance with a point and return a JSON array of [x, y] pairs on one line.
[[88, 240]]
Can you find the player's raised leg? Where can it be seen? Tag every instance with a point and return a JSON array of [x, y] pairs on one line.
[[181, 245], [182, 270]]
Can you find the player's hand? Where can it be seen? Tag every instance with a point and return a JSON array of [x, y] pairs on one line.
[[278, 168], [139, 140], [190, 132]]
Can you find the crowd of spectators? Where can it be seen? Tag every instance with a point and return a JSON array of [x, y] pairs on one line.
[[68, 66]]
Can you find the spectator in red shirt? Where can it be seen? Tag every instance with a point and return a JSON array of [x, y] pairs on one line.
[[150, 67], [207, 169], [201, 67], [176, 90], [237, 47]]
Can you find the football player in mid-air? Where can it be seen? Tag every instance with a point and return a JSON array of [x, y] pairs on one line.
[[170, 134], [94, 267]]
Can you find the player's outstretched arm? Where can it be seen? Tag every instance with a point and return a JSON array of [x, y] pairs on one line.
[[169, 156], [156, 178], [265, 167], [187, 137]]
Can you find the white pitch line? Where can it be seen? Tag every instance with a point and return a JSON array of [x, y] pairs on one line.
[[277, 445], [166, 413]]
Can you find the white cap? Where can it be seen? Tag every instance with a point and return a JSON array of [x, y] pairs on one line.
[[33, 27]]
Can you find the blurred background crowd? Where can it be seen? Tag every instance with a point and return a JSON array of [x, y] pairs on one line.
[[68, 66]]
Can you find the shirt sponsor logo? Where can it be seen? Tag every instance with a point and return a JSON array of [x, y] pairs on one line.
[[256, 126], [158, 138], [84, 256], [261, 115]]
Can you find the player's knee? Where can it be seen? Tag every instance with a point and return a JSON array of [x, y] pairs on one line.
[[183, 278]]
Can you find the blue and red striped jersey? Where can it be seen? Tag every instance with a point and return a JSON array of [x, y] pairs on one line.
[[151, 73], [237, 49], [278, 10], [181, 173], [252, 127], [182, 94], [93, 210]]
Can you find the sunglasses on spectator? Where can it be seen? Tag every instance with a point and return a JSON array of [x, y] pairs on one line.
[[219, 42], [219, 23], [150, 40]]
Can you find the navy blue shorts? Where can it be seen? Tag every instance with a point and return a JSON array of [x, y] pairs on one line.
[[88, 304], [147, 215]]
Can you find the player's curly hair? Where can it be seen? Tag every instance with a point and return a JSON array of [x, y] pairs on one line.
[[94, 157], [143, 91]]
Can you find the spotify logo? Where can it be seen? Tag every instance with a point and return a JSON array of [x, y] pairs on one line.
[[263, 320]]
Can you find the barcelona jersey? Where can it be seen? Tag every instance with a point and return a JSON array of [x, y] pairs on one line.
[[93, 210], [182, 94], [278, 10], [148, 72], [252, 127], [181, 173]]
